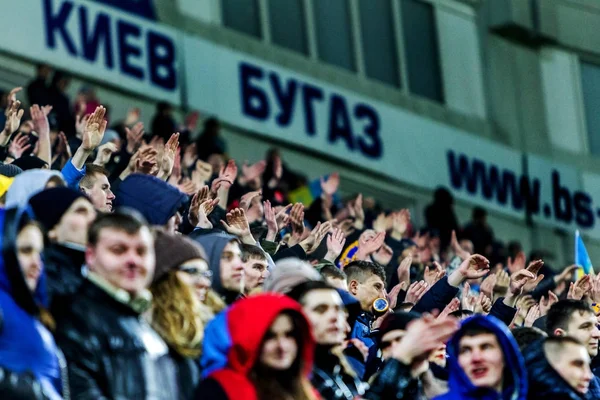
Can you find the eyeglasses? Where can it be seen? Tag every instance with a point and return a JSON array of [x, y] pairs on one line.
[[196, 272]]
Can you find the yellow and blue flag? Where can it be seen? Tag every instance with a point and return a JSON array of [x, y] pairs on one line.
[[582, 259]]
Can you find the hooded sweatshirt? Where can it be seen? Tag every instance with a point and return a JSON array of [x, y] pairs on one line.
[[25, 344], [515, 375], [248, 321], [545, 382], [28, 184], [213, 244]]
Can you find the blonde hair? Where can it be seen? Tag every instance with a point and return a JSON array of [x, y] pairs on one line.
[[176, 316]]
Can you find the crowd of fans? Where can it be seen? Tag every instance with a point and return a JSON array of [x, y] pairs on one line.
[[149, 265]]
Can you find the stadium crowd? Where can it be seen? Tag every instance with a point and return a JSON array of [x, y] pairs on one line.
[[147, 264]]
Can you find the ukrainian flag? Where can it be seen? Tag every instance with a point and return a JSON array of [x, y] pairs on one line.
[[582, 259]]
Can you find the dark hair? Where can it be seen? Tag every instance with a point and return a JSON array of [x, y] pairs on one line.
[[561, 312], [362, 270], [251, 252], [476, 331], [274, 384], [91, 171], [460, 314], [122, 219], [526, 335], [562, 340], [331, 271], [299, 291]]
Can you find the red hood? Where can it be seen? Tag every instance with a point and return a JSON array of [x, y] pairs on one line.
[[248, 320]]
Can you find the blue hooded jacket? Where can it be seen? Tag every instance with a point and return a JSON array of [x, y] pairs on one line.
[[216, 344], [25, 344], [515, 375]]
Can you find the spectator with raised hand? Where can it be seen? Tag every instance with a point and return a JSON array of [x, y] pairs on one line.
[[96, 186], [13, 113], [39, 116], [93, 131]]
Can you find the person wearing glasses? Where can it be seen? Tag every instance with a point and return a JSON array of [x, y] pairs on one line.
[[179, 287]]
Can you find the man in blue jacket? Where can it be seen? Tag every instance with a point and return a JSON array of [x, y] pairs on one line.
[[485, 362]]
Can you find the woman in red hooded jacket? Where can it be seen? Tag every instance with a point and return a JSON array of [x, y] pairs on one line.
[[271, 353]]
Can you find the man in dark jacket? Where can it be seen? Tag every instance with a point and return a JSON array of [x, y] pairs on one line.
[[366, 282], [485, 362], [558, 369], [111, 352]]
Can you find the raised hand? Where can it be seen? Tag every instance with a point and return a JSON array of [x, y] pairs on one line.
[[474, 267], [271, 221], [194, 211], [532, 315], [94, 128], [237, 224], [467, 300], [282, 216], [416, 291], [502, 283], [227, 175], [384, 255], [368, 245], [517, 264], [379, 225], [134, 137], [547, 302], [434, 274], [534, 267], [487, 286], [566, 275], [80, 123], [314, 239], [393, 294], [580, 288], [246, 200], [202, 173], [19, 145], [13, 121], [422, 337], [186, 186], [297, 219], [335, 244], [12, 96], [404, 270], [358, 212], [168, 156], [457, 248], [483, 304], [400, 221], [331, 184], [40, 119], [251, 172], [454, 305], [145, 162]]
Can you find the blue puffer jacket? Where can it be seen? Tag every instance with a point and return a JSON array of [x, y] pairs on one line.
[[515, 375], [546, 383], [25, 344]]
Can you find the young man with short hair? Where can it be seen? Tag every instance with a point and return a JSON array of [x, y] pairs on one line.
[[485, 362], [256, 267], [559, 368], [574, 318], [366, 282], [96, 186], [111, 351]]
